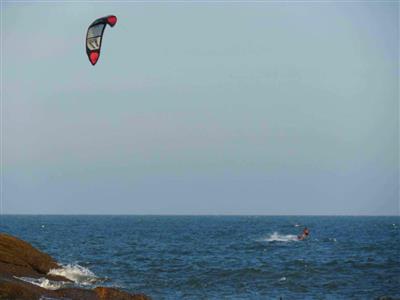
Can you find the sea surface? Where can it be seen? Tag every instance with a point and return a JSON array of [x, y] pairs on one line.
[[221, 257]]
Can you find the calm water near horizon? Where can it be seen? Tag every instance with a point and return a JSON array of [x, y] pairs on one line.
[[223, 257]]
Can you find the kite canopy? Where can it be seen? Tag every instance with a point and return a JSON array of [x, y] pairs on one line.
[[94, 37]]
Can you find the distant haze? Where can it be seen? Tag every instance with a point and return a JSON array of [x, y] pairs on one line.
[[202, 108]]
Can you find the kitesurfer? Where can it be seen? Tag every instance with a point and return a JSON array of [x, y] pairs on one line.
[[305, 234]]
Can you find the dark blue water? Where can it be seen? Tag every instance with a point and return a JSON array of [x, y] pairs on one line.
[[220, 257]]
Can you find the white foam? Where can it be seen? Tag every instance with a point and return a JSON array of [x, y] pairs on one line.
[[44, 282], [75, 273], [276, 237], [282, 279]]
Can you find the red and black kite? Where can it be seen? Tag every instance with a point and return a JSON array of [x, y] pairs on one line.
[[94, 37]]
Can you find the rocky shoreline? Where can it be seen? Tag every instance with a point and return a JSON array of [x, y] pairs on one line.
[[19, 260]]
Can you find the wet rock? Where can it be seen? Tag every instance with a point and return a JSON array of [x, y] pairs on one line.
[[110, 293]]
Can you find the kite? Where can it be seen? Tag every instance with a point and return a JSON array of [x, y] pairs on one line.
[[94, 37]]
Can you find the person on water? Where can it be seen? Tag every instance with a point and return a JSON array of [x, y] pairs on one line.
[[305, 234]]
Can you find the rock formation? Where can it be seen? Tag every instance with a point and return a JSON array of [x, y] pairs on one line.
[[19, 259]]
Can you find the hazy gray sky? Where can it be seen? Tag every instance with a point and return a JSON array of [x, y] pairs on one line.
[[202, 108]]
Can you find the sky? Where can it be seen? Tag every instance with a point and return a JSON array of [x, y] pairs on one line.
[[201, 108]]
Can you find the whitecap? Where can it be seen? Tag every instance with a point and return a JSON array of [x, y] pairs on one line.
[[276, 237], [76, 273], [44, 282]]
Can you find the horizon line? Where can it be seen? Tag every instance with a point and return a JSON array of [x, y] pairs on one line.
[[208, 215]]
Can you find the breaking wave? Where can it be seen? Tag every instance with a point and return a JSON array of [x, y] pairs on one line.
[[76, 273], [44, 282], [79, 276], [276, 237]]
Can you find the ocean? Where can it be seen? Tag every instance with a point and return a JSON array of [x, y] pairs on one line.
[[222, 257]]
